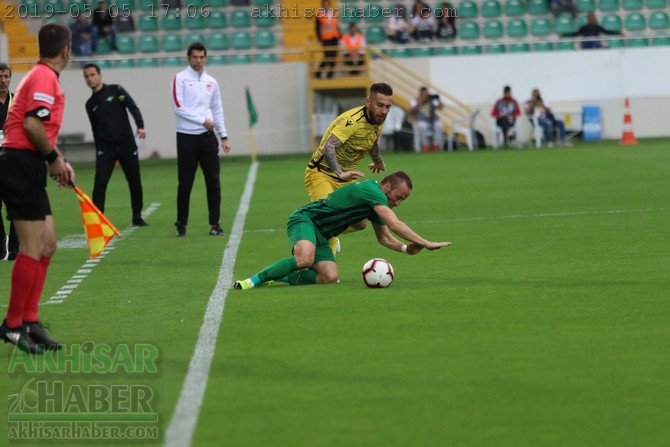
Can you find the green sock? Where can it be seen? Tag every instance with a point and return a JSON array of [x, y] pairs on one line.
[[278, 270], [301, 277]]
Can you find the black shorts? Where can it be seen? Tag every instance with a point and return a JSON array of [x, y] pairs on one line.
[[23, 181]]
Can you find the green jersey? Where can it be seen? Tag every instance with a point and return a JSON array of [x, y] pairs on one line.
[[344, 207]]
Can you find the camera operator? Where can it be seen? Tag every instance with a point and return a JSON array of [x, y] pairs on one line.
[[425, 122]]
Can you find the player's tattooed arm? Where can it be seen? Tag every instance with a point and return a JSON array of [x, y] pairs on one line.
[[376, 155], [330, 154]]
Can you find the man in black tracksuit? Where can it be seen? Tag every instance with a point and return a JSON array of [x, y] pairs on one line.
[[107, 110]]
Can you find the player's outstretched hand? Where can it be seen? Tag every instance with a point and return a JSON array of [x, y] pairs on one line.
[[435, 245], [351, 175], [377, 167]]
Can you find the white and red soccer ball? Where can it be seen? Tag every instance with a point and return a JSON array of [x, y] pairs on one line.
[[377, 273]]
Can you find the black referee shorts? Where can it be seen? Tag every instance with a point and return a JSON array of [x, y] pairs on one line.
[[23, 181]]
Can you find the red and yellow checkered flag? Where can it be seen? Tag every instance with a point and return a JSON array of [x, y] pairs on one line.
[[99, 230]]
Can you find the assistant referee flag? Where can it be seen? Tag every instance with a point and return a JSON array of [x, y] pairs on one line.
[[99, 230]]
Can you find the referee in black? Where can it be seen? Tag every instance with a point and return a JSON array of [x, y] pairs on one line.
[[107, 110]]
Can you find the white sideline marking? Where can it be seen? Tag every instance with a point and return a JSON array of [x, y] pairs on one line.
[[83, 271], [180, 431]]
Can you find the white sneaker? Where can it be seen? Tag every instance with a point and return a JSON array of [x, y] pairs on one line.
[[338, 248]]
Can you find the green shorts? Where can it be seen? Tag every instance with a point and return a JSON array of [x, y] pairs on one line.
[[300, 228]]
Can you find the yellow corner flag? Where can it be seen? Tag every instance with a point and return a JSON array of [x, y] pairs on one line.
[[99, 230]]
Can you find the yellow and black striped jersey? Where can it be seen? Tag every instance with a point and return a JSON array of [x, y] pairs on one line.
[[357, 135]]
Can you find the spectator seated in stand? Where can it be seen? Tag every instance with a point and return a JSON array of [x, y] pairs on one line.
[[353, 48], [560, 6], [423, 24], [82, 36], [397, 26], [446, 21], [103, 25], [592, 30]]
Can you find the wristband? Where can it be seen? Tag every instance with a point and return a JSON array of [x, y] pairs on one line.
[[403, 249], [51, 156]]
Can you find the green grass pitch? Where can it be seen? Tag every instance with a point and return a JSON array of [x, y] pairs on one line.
[[546, 323]]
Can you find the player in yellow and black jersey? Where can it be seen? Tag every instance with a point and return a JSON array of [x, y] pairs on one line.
[[348, 139]]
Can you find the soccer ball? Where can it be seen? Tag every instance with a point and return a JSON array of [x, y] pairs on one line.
[[377, 273]]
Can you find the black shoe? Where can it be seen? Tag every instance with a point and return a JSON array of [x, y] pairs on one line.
[[216, 230], [39, 335], [181, 229], [20, 338], [139, 222], [11, 256]]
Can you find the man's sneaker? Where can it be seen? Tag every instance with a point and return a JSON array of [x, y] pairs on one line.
[[339, 247], [139, 222], [20, 338], [216, 230], [244, 284], [181, 229], [39, 335]]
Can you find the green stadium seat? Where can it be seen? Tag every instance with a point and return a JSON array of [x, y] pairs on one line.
[[540, 27], [632, 5], [374, 13], [265, 58], [216, 20], [539, 7], [638, 42], [515, 8], [196, 6], [148, 5], [264, 19], [240, 18], [175, 61], [197, 21], [125, 44], [103, 63], [586, 5], [657, 4], [148, 43], [469, 50], [581, 21], [469, 30], [608, 5], [171, 42], [659, 20], [194, 37], [635, 22], [148, 22], [400, 52], [264, 39], [517, 28], [262, 2], [125, 63], [148, 62], [491, 9], [660, 41], [240, 59], [218, 3], [611, 22], [519, 47], [422, 52], [102, 47], [565, 46], [171, 22], [564, 24], [217, 41], [375, 34], [217, 59], [445, 51], [240, 40], [616, 43], [350, 14], [123, 7], [493, 29], [497, 48], [467, 10], [77, 5], [543, 46]]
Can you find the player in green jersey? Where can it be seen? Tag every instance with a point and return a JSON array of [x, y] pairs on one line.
[[310, 227]]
